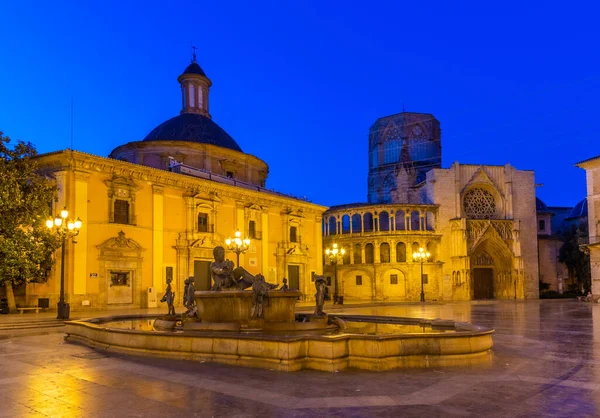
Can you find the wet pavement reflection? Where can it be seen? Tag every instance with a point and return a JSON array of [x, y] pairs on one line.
[[546, 363]]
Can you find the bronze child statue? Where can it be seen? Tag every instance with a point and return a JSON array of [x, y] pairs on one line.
[[169, 297], [188, 297], [321, 285]]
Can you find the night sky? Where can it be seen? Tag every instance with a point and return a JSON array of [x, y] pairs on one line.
[[299, 83]]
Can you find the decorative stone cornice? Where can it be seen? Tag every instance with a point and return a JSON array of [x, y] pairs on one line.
[[63, 160], [82, 175]]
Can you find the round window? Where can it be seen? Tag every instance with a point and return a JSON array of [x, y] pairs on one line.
[[479, 204]]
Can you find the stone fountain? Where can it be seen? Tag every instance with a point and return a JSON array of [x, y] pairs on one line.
[[259, 327]]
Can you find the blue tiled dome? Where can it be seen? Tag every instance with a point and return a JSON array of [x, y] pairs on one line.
[[580, 209], [540, 206], [193, 127], [194, 68]]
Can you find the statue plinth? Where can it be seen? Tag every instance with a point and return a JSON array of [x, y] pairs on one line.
[[235, 306]]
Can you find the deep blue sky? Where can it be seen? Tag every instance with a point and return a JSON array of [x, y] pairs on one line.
[[299, 83]]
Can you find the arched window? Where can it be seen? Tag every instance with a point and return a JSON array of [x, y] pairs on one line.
[[391, 151], [369, 256], [368, 220], [458, 277], [356, 223], [346, 257], [345, 224], [430, 221], [357, 254], [400, 252], [384, 252], [332, 225], [384, 221], [389, 184], [431, 251], [415, 221], [415, 248], [454, 278], [400, 222]]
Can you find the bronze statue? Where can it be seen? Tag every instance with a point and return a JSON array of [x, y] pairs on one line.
[[169, 297], [188, 297], [260, 290], [226, 277], [284, 286], [321, 285]]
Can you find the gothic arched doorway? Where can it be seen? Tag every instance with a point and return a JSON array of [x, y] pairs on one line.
[[482, 266], [491, 265]]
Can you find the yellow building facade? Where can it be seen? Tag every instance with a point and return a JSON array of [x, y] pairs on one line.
[[157, 208]]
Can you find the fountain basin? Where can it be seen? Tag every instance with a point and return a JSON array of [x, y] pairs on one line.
[[236, 306], [377, 347]]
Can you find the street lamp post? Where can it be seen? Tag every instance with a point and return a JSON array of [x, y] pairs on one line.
[[65, 228], [421, 256], [334, 255], [238, 245]]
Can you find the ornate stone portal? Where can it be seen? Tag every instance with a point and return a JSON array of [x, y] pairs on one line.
[[120, 262]]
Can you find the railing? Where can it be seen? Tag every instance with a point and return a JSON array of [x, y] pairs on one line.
[[376, 233], [205, 174]]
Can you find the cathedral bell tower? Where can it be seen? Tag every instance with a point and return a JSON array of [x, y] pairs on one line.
[[195, 87]]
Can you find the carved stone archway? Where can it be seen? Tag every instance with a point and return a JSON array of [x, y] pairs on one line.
[[491, 256], [120, 272]]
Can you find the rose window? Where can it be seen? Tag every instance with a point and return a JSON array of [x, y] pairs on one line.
[[479, 204]]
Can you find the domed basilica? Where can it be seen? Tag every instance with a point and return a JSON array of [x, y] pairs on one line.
[[155, 209]]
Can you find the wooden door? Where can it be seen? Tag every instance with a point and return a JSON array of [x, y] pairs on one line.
[[202, 276], [294, 277], [483, 283]]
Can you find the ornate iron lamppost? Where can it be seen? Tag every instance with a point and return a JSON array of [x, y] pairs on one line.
[[238, 245], [334, 255], [66, 229], [421, 256]]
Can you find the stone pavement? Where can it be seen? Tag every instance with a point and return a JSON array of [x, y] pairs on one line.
[[546, 363]]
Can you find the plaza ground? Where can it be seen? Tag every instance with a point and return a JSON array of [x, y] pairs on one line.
[[546, 363]]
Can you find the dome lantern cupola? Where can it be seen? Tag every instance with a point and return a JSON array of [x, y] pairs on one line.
[[195, 87]]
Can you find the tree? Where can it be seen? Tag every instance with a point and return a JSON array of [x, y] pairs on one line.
[[26, 245], [577, 262]]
